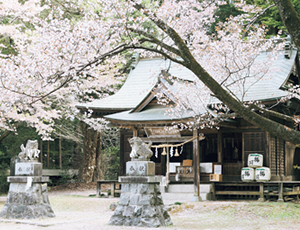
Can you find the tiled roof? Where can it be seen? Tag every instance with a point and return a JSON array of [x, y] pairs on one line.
[[138, 85], [144, 77]]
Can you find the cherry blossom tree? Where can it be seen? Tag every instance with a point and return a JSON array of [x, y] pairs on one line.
[[52, 70]]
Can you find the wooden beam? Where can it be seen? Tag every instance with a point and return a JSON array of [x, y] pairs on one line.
[[237, 193], [169, 140]]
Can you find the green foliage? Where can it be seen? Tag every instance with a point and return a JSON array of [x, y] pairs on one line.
[[11, 144], [65, 178], [223, 13], [72, 10], [111, 163], [4, 166], [71, 151], [296, 167], [9, 45], [271, 17]]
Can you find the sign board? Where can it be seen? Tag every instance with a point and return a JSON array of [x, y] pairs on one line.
[[217, 169], [172, 167], [206, 167], [161, 132], [24, 169]]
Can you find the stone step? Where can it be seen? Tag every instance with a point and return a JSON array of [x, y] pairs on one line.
[[189, 188]]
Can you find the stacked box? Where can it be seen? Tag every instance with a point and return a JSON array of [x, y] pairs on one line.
[[248, 174], [255, 160], [262, 174], [215, 177], [255, 169]]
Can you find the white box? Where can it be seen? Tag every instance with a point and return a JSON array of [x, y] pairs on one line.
[[172, 167], [248, 174], [255, 160], [206, 167], [262, 174], [217, 169]]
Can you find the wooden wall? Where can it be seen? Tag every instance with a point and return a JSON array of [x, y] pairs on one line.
[[277, 155], [282, 158]]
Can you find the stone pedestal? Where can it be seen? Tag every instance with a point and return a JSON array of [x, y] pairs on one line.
[[140, 168], [27, 197], [140, 202]]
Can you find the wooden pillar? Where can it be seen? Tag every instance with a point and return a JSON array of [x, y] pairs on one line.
[[280, 192], [196, 166], [122, 154], [168, 168], [261, 192], [41, 153], [135, 132], [48, 155], [220, 156], [289, 159], [59, 152], [213, 195]]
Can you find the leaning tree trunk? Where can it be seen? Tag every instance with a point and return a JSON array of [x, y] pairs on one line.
[[90, 167]]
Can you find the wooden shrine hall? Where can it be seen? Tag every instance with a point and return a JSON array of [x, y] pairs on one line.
[[188, 158]]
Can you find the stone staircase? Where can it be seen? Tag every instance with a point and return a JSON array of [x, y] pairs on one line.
[[185, 192]]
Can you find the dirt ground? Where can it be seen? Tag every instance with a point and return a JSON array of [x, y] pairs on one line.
[[75, 208]]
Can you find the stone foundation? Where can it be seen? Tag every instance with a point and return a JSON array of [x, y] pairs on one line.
[[25, 202], [140, 205]]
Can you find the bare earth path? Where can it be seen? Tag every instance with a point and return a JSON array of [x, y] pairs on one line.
[[74, 209]]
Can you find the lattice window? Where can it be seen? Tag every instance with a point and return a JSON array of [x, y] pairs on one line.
[[254, 142], [277, 156]]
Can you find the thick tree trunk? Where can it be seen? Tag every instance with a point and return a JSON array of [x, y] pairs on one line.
[[98, 174], [89, 169], [290, 19]]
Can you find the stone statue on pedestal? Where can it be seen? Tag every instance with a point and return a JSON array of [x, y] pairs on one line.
[[27, 196], [140, 202]]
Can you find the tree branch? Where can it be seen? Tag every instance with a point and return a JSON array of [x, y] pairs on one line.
[[272, 113], [154, 40], [255, 17]]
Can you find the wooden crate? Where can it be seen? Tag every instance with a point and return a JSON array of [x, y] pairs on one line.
[[187, 163], [215, 177]]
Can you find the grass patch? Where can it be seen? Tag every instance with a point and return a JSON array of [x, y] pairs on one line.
[[274, 210], [236, 215]]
